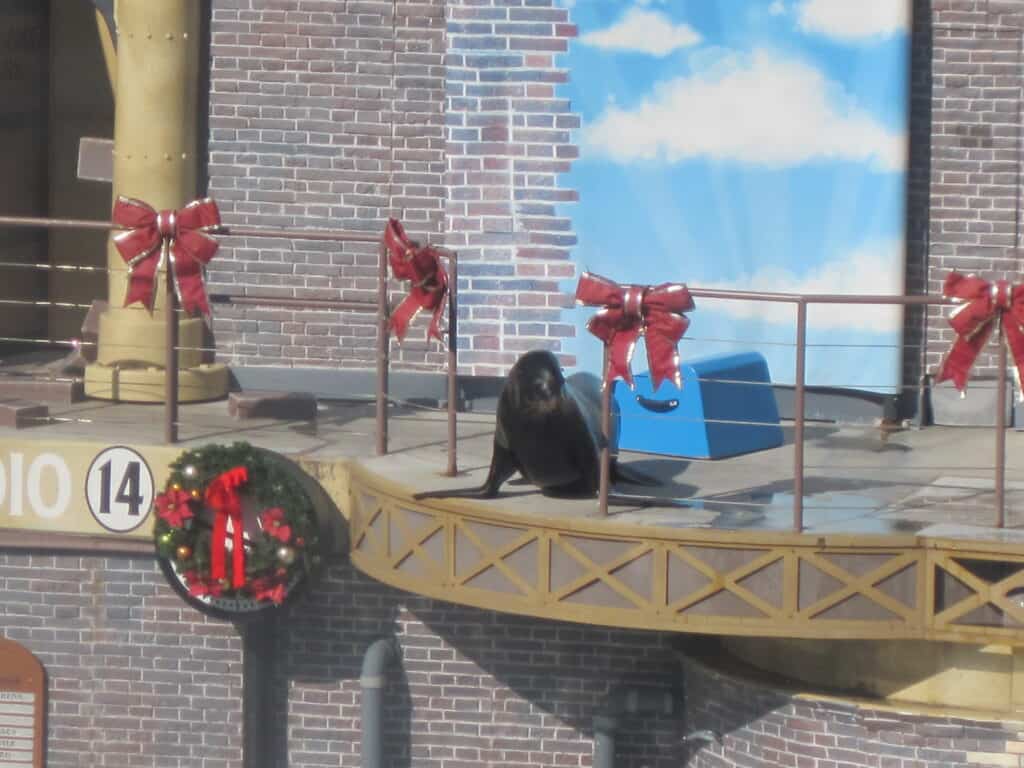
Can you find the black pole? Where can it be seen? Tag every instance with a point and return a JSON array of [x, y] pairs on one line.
[[258, 668]]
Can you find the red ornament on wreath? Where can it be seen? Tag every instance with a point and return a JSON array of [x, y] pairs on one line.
[[235, 531]]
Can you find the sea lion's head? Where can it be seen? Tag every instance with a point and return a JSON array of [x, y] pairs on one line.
[[537, 381]]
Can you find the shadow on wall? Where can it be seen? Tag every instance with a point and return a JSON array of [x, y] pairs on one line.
[[321, 640], [475, 686]]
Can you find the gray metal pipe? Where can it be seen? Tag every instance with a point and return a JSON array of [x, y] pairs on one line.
[[380, 655], [626, 701], [604, 741]]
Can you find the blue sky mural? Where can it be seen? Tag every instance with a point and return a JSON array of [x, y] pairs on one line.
[[750, 144]]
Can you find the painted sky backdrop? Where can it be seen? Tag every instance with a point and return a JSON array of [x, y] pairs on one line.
[[750, 144]]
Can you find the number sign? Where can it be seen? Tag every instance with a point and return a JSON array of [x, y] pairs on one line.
[[119, 489]]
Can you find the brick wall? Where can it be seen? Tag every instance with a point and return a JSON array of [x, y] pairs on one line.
[[457, 126], [134, 677], [476, 688], [341, 113], [138, 678], [321, 114], [973, 157], [509, 139], [764, 727]]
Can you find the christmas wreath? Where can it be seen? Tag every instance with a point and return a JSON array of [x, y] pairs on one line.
[[234, 528]]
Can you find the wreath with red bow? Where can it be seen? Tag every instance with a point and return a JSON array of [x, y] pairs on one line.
[[235, 530]]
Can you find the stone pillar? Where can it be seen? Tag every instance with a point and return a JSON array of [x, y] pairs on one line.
[[155, 147]]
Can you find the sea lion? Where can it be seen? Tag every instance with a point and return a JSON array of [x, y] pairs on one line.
[[549, 430]]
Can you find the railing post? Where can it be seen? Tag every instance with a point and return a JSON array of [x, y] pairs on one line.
[[383, 348], [1000, 474], [604, 477], [171, 364], [798, 415], [453, 361]]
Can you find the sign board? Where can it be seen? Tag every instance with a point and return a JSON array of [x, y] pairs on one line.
[[81, 488], [22, 707]]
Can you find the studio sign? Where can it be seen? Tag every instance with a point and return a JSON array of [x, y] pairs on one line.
[[40, 486], [235, 531]]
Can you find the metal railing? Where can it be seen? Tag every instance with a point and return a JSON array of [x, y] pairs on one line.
[[802, 301], [380, 306]]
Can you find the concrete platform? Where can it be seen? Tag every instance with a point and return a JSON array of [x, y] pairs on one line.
[[858, 480], [897, 544]]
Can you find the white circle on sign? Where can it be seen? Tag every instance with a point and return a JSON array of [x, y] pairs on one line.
[[119, 489]]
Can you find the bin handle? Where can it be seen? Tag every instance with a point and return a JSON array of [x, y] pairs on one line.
[[658, 406]]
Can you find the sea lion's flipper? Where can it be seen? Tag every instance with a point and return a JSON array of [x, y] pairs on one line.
[[624, 474], [503, 466]]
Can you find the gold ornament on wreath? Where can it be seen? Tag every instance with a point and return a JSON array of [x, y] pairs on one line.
[[235, 531]]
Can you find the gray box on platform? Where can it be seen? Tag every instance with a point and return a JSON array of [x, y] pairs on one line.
[[977, 409]]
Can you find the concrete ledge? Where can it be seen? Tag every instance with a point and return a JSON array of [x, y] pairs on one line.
[[290, 406], [62, 390], [480, 393], [19, 414], [977, 408]]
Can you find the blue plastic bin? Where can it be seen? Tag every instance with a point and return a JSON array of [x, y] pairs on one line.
[[706, 418]]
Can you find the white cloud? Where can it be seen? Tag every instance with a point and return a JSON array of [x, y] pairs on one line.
[[643, 31], [874, 268], [760, 109], [777, 8], [854, 20]]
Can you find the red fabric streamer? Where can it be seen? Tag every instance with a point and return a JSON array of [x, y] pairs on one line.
[[421, 265], [178, 239], [222, 497], [629, 311], [985, 306]]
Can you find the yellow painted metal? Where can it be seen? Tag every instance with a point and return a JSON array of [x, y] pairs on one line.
[[43, 487], [146, 385], [155, 147], [739, 584], [624, 575], [109, 50], [934, 674], [729, 666]]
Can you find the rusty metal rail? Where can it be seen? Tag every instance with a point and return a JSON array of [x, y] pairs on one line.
[[380, 307], [802, 301]]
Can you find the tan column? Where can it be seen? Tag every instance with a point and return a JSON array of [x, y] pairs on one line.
[[154, 160]]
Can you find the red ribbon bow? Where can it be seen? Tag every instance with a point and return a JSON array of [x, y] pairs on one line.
[[178, 239], [421, 265], [629, 311], [986, 306], [222, 497]]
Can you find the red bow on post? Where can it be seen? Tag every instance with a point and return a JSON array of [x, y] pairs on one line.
[[178, 239], [222, 498], [985, 306], [629, 311], [421, 265]]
